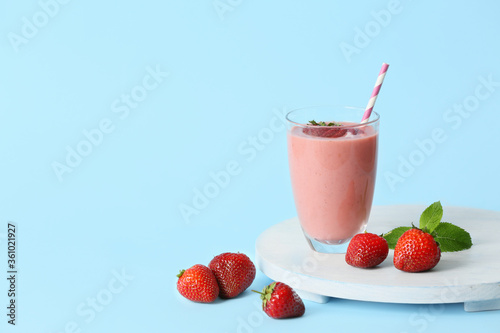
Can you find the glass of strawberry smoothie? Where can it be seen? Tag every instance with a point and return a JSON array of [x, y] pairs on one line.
[[333, 164]]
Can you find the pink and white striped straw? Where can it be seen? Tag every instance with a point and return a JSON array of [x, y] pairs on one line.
[[376, 89]]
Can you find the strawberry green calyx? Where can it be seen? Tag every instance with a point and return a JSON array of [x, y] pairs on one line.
[[266, 293], [180, 273]]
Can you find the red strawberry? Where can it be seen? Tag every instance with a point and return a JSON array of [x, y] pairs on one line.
[[234, 272], [416, 251], [325, 131], [366, 250], [335, 131], [280, 301], [198, 284]]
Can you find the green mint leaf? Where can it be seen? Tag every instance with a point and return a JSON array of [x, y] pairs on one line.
[[332, 123], [452, 238], [322, 123], [431, 217], [392, 236]]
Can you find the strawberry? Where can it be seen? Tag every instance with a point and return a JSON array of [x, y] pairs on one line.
[[325, 131], [366, 250], [416, 251], [198, 284], [328, 130], [234, 272], [281, 301]]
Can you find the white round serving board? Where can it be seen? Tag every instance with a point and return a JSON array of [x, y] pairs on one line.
[[471, 276]]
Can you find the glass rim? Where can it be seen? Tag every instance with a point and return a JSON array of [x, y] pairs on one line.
[[376, 119]]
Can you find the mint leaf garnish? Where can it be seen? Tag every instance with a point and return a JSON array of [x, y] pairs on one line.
[[392, 236], [452, 238], [332, 123], [322, 123], [431, 217]]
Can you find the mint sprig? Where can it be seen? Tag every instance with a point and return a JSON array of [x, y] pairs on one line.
[[451, 238], [322, 123]]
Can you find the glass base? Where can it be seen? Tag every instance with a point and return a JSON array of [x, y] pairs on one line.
[[326, 248]]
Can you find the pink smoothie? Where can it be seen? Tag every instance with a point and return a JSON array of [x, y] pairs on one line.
[[333, 181]]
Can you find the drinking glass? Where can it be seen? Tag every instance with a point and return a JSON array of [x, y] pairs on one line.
[[332, 171]]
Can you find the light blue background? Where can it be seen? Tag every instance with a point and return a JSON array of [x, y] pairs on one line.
[[230, 71]]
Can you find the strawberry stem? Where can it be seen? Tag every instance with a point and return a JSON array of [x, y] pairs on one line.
[[180, 273]]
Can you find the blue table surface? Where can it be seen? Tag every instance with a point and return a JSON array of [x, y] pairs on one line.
[[142, 138]]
